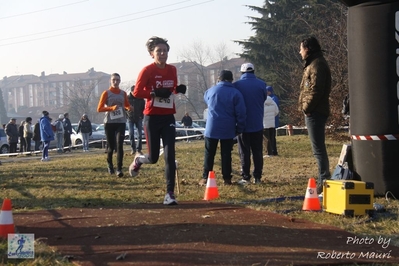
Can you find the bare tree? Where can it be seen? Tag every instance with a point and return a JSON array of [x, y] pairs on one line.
[[221, 53], [193, 72], [82, 99], [331, 33], [127, 85], [3, 111]]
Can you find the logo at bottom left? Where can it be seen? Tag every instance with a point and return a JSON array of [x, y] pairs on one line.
[[21, 246]]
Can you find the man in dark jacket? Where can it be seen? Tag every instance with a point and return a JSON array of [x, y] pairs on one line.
[[12, 134], [135, 120], [67, 132], [187, 122], [314, 102]]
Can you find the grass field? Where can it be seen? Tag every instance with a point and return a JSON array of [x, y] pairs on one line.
[[81, 180]]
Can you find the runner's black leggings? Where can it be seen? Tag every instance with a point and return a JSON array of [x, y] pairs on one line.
[[115, 134], [155, 128]]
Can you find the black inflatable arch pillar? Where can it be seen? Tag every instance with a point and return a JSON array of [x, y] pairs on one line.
[[373, 55]]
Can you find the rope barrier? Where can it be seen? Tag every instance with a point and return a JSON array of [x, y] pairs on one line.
[[90, 142]]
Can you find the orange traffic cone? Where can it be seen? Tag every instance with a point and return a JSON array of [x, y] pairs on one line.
[[6, 220], [211, 190], [311, 202]]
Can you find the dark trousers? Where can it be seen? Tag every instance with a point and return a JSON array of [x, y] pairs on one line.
[[210, 152], [13, 147], [22, 144], [115, 134], [270, 135], [67, 140], [251, 143], [274, 147], [28, 143], [37, 145], [155, 128], [46, 145]]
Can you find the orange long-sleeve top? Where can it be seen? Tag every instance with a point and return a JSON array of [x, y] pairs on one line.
[[102, 104]]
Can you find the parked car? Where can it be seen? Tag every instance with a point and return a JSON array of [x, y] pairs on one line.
[[200, 122], [4, 147], [97, 138], [100, 128], [180, 132], [199, 128], [94, 126], [183, 132]]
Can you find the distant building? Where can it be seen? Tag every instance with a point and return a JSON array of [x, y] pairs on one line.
[[198, 79], [234, 65], [51, 91], [193, 75], [28, 95]]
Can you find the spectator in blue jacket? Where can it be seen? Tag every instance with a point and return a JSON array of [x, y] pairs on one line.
[[251, 139], [46, 134], [271, 94], [226, 118]]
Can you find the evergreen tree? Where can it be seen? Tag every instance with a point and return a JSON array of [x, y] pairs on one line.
[[274, 49], [277, 33], [3, 111]]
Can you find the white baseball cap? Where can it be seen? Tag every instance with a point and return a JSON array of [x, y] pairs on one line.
[[247, 67]]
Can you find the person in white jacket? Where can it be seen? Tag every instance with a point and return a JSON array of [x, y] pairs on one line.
[[270, 112]]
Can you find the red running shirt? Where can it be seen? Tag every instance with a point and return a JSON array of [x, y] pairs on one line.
[[151, 77]]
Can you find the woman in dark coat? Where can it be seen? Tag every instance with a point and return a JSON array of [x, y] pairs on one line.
[[36, 136]]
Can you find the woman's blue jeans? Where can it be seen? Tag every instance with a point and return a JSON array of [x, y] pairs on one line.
[[85, 137], [316, 124]]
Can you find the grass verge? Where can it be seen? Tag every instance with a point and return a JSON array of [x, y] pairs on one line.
[[81, 180]]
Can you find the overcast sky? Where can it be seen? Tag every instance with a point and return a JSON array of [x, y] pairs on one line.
[[75, 35]]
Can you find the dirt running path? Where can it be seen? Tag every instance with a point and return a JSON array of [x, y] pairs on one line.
[[196, 233]]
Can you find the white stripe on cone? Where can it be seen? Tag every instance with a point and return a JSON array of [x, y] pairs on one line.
[[211, 182], [311, 193], [6, 218]]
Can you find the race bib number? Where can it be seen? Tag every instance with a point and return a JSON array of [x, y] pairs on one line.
[[118, 113], [164, 102]]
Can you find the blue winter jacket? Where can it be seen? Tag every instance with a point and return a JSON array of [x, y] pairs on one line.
[[226, 111], [254, 92], [46, 132]]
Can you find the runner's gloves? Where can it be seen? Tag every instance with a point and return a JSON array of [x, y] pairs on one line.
[[181, 88], [165, 92], [161, 92]]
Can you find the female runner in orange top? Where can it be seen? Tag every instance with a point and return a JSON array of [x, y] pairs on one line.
[[114, 102]]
